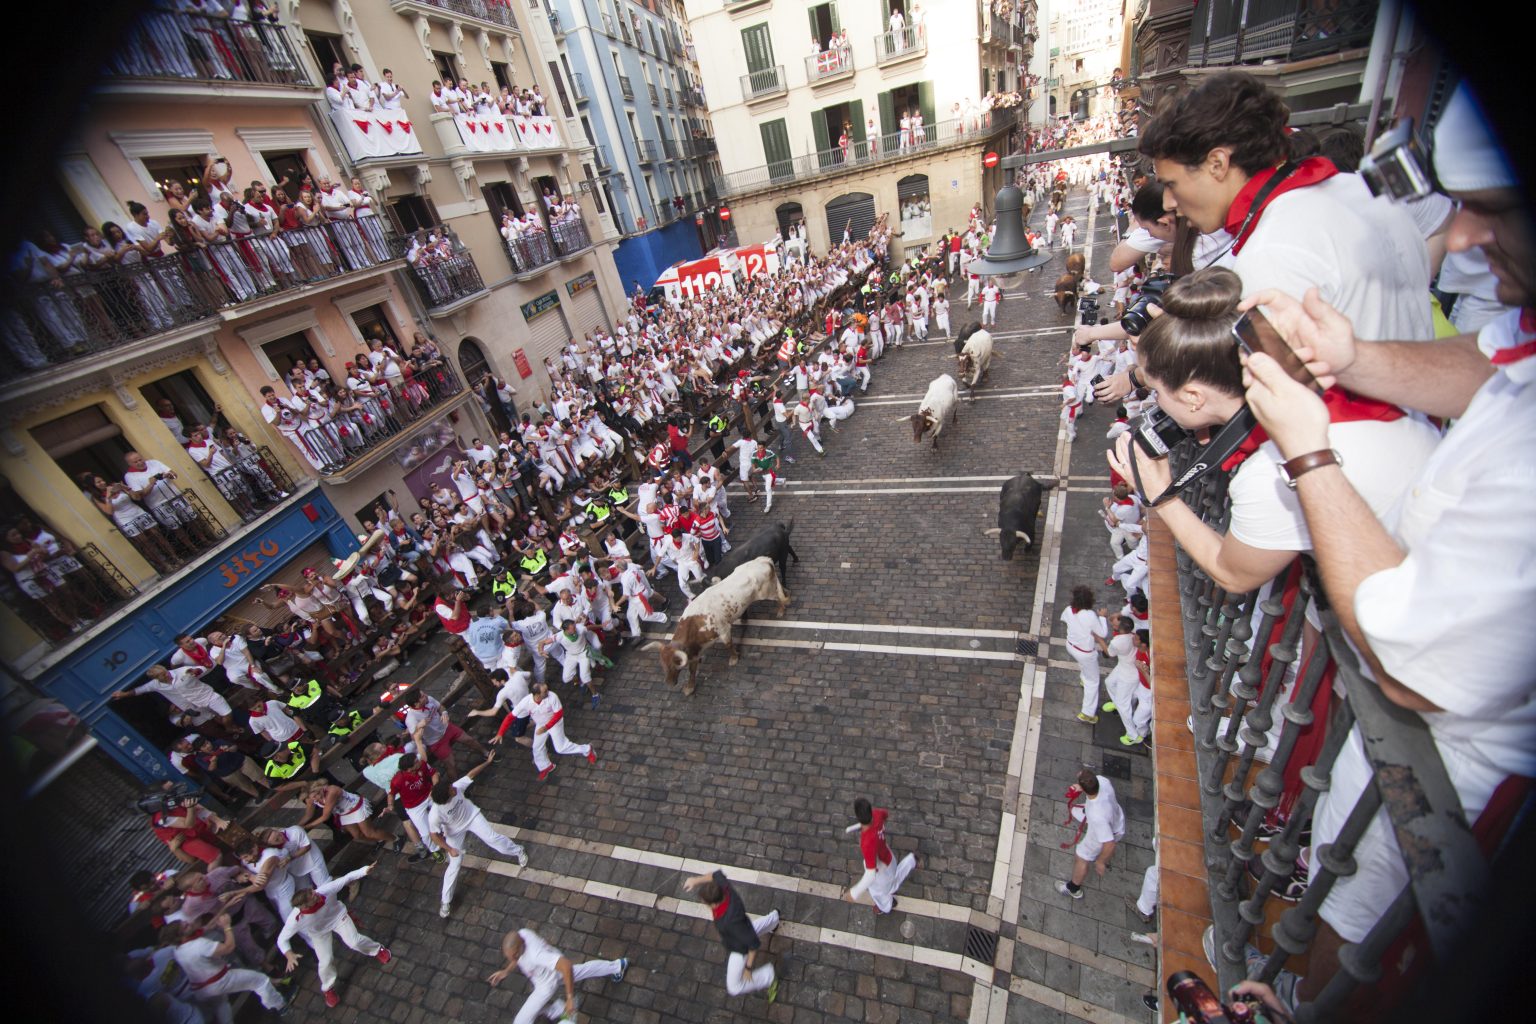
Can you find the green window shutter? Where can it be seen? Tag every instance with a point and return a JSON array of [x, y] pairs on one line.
[[925, 104], [888, 122], [758, 47], [776, 148], [832, 10], [815, 28], [856, 115], [819, 125]]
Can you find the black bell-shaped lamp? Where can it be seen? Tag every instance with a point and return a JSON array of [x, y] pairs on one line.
[[1010, 252]]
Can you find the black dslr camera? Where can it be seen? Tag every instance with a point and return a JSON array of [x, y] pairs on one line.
[[1137, 316], [1199, 1004], [1088, 306], [1157, 433], [1397, 166]]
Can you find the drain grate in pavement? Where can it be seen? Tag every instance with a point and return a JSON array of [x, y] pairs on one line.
[[980, 945], [1028, 648], [1117, 766]]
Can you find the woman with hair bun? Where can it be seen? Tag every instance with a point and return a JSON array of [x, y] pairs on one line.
[[1190, 357]]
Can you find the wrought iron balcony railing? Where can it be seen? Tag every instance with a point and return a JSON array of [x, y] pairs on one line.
[[445, 280], [365, 423], [91, 312], [626, 87], [80, 587], [208, 47], [1284, 30], [829, 65], [496, 12], [1266, 763], [904, 44], [570, 237], [757, 85]]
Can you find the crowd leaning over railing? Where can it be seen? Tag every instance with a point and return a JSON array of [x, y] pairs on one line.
[[1278, 336]]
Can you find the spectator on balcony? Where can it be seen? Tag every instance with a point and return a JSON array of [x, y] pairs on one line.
[[442, 99], [1426, 590], [481, 101], [898, 26], [390, 96], [368, 221], [115, 501], [342, 216], [39, 266], [154, 483], [1188, 357], [459, 97], [207, 235], [243, 484], [267, 249], [288, 415], [357, 94]]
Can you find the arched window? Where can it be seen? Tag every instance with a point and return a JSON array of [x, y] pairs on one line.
[[788, 215], [916, 210], [853, 213], [472, 361]]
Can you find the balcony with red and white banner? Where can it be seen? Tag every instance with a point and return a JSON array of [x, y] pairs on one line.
[[494, 133], [376, 134]]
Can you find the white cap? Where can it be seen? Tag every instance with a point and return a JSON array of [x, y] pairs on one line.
[[1467, 156]]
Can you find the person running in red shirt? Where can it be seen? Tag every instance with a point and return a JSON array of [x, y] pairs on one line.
[[411, 786], [883, 873]]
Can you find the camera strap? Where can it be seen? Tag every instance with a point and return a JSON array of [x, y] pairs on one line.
[[1211, 455], [1261, 199]]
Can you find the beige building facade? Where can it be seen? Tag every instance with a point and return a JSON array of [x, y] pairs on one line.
[[841, 112]]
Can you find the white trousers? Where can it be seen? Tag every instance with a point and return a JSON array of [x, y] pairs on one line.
[[635, 612], [280, 889], [988, 313], [1147, 901], [238, 980], [563, 745], [1124, 692], [418, 816], [1120, 542], [1088, 665], [941, 321], [542, 996], [488, 835], [580, 665], [888, 878], [1132, 574], [1141, 711], [689, 571], [325, 948], [737, 981]]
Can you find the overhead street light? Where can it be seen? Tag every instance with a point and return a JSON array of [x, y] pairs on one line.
[[1010, 252]]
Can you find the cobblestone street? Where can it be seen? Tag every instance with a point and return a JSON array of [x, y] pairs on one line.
[[912, 667]]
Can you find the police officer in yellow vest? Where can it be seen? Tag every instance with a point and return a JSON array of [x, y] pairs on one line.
[[311, 705], [346, 724], [503, 587], [533, 562], [284, 761]]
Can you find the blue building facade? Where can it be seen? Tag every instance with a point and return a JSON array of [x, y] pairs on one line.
[[117, 657], [641, 107]]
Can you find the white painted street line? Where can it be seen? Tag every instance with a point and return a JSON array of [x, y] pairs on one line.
[[889, 480], [837, 645], [865, 627], [886, 490], [688, 907], [1053, 394], [1030, 388]]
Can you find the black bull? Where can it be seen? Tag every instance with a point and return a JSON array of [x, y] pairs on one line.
[[771, 540], [1018, 506]]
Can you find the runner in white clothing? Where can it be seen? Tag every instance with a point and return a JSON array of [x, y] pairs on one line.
[[991, 295], [1086, 630], [1123, 683], [574, 643], [548, 717], [635, 583], [1103, 827], [514, 687], [318, 914], [547, 969], [452, 817], [205, 961]]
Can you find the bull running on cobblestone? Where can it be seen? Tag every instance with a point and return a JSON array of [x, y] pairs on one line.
[[708, 619]]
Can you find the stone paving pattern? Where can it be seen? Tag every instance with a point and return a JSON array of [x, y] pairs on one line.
[[758, 770]]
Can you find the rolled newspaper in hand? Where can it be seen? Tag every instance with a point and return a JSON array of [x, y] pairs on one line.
[[851, 829]]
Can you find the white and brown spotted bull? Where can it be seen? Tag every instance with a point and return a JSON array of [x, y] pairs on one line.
[[710, 617], [975, 355], [940, 404]]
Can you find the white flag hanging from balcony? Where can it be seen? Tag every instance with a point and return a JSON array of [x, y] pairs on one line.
[[371, 133]]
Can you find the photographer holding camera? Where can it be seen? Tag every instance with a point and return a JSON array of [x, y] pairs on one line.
[[1190, 356], [1220, 155]]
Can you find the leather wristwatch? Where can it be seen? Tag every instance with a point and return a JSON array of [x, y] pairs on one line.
[[1292, 470]]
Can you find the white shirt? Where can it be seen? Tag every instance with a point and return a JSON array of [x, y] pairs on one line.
[[431, 719], [1367, 259], [158, 491], [301, 863], [541, 711], [1083, 627], [184, 689], [1380, 458], [513, 690], [274, 722], [1103, 816], [540, 962], [454, 816], [197, 959], [323, 920], [1123, 647]]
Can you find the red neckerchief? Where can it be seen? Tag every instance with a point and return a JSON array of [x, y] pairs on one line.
[[314, 907], [1343, 407], [1308, 172], [1515, 353], [199, 654], [719, 909]]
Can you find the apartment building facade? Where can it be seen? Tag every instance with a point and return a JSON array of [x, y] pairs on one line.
[[636, 84], [822, 103], [131, 355]]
